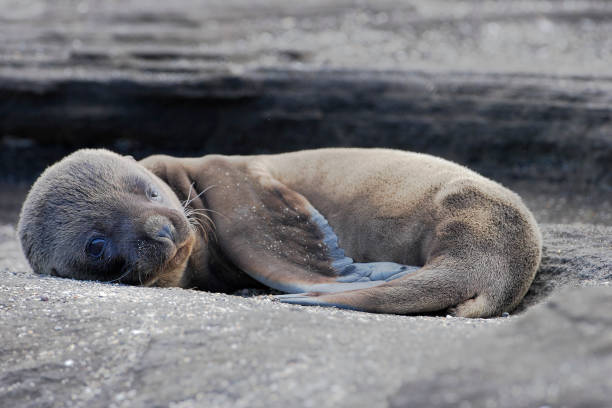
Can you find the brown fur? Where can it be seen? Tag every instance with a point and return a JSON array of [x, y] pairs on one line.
[[478, 244]]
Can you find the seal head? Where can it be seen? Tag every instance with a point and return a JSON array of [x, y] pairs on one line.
[[97, 215]]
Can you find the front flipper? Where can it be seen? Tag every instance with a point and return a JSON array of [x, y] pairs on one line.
[[352, 275], [277, 237]]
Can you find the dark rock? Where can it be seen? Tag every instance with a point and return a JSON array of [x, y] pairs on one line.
[[506, 127], [558, 354]]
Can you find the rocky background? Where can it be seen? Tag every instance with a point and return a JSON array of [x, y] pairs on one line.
[[519, 90]]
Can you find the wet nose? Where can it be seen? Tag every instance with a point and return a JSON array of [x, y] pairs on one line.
[[160, 228], [166, 231]]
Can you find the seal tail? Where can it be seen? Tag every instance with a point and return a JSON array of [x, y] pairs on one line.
[[428, 290]]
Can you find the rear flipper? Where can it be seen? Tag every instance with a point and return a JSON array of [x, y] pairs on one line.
[[365, 301], [360, 276], [387, 287], [465, 282], [425, 291]]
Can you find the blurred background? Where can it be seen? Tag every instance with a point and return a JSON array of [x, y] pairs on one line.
[[520, 91]]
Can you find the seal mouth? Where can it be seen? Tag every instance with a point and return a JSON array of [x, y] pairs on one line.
[[172, 270], [182, 252]]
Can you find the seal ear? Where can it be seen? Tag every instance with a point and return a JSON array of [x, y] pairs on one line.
[[174, 177], [276, 236]]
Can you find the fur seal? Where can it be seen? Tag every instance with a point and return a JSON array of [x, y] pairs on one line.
[[375, 230]]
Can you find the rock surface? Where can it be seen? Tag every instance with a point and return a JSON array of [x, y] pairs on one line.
[[72, 343], [558, 354]]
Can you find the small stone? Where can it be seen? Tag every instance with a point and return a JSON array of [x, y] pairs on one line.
[[505, 314], [58, 328], [69, 363], [44, 298]]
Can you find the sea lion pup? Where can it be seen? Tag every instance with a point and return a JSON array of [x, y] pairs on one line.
[[421, 234]]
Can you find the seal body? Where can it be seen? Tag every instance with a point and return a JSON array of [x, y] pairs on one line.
[[376, 230]]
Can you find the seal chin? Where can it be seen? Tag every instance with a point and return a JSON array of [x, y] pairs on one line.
[[171, 272], [182, 252]]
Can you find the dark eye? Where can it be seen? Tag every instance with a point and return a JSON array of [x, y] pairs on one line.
[[95, 247], [153, 194]]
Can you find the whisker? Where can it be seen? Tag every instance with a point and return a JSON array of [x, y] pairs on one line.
[[188, 195], [197, 217], [197, 214], [203, 191], [198, 224], [201, 227], [209, 210], [206, 217]]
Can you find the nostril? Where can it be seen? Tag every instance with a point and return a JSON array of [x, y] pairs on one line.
[[166, 231]]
